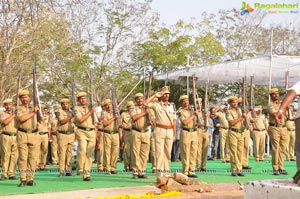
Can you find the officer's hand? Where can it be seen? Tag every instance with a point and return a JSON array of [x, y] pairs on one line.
[[35, 109], [116, 116], [92, 109]]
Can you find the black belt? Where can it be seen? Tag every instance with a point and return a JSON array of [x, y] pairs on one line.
[[84, 128], [27, 130], [43, 133], [203, 127], [110, 132], [66, 132], [140, 130], [126, 129], [9, 134], [189, 130], [276, 125], [236, 130]]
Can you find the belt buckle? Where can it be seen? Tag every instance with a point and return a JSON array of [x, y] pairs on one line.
[[68, 133], [28, 131], [142, 131], [191, 130], [111, 132], [88, 129]]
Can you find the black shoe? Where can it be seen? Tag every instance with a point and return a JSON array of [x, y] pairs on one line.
[[292, 159], [69, 174], [247, 167], [3, 178], [142, 176], [276, 172], [234, 174], [240, 174], [283, 172], [203, 169], [87, 179], [22, 184], [192, 175], [12, 178], [31, 183], [114, 172]]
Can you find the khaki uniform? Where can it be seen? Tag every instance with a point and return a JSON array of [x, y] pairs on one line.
[[152, 144], [54, 144], [43, 128], [111, 143], [236, 140], [8, 146], [279, 137], [86, 138], [224, 141], [165, 117], [245, 161], [290, 125], [28, 144], [259, 123], [65, 139], [203, 140], [188, 142], [100, 149], [127, 136], [140, 142]]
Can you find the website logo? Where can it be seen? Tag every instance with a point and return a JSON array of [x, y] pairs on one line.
[[246, 8]]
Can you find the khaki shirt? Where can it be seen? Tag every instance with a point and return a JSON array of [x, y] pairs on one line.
[[53, 124], [273, 107], [259, 122], [67, 127], [113, 126], [222, 118], [142, 122], [164, 114], [185, 114], [10, 127], [234, 114], [30, 124], [126, 120], [80, 112], [45, 125]]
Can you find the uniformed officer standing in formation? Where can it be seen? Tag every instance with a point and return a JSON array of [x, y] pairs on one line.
[[290, 125], [127, 136], [99, 140], [224, 141], [8, 141], [188, 137], [278, 134], [260, 126], [54, 144], [66, 137], [44, 133], [140, 137], [165, 129], [85, 135], [236, 119], [111, 139], [27, 138]]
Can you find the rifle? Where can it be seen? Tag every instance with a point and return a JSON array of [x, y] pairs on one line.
[[36, 101], [92, 103], [73, 98], [148, 116], [115, 112], [196, 107], [244, 102], [253, 114], [18, 90]]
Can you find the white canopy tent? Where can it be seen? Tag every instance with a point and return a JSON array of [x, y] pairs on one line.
[[267, 70]]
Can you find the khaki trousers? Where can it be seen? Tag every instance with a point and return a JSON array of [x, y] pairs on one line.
[[202, 151], [152, 152], [259, 138], [236, 146], [163, 139], [9, 151], [140, 151], [291, 146], [85, 153], [245, 160], [54, 149], [43, 151], [65, 147], [224, 145], [188, 151], [28, 147], [279, 141], [100, 151], [127, 135], [111, 151]]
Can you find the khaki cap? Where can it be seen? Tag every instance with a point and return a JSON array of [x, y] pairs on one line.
[[81, 94], [43, 106], [23, 92], [273, 90], [232, 98], [130, 103], [239, 100], [166, 89], [64, 100], [106, 101], [6, 101], [199, 99], [182, 97], [138, 95]]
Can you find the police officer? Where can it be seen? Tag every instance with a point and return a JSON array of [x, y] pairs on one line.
[[8, 141], [86, 135], [224, 141], [54, 144], [27, 138], [66, 137]]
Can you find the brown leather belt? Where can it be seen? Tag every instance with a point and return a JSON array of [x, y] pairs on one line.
[[27, 130], [84, 128], [259, 130], [9, 134], [164, 126], [224, 128]]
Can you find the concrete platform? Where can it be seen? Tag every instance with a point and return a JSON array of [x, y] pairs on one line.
[[275, 189]]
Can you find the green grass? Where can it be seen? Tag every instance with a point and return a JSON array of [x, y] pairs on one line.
[[48, 181]]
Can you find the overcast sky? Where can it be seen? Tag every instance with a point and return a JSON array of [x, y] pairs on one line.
[[172, 10]]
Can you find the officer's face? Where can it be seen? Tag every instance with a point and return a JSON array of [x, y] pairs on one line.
[[25, 99], [139, 101], [65, 105], [274, 96], [83, 101], [185, 103], [165, 97], [8, 106], [234, 104]]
